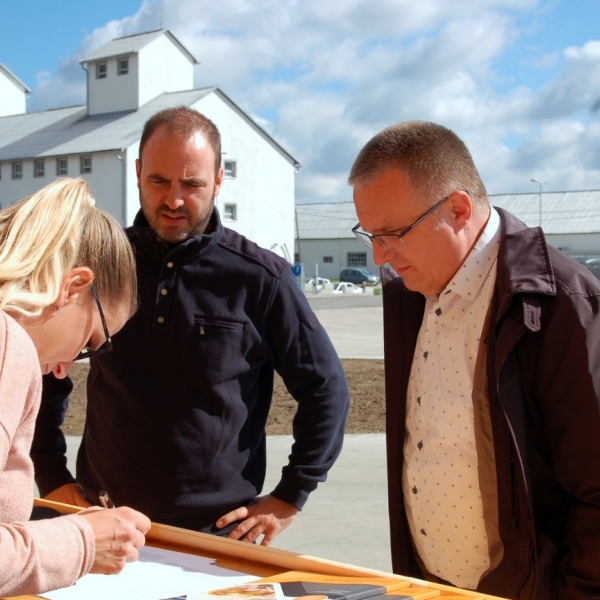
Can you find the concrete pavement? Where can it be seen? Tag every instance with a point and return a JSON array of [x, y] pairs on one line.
[[346, 518]]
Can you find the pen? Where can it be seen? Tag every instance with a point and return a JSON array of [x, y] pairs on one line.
[[105, 500]]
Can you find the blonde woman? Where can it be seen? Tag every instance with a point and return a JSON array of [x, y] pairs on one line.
[[67, 283]]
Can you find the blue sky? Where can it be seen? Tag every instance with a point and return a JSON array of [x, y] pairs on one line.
[[518, 80]]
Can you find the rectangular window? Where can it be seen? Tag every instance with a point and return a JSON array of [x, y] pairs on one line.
[[230, 212], [17, 170], [356, 259], [101, 70], [62, 165], [328, 259], [39, 169], [85, 164], [122, 66], [229, 168]]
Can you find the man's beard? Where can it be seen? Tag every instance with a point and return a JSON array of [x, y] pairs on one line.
[[175, 235]]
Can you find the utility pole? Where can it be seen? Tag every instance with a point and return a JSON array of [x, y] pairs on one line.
[[541, 184]]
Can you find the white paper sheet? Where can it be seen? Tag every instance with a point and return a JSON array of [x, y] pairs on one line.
[[157, 575]]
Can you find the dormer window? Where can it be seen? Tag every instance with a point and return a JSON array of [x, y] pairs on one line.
[[101, 69], [122, 66]]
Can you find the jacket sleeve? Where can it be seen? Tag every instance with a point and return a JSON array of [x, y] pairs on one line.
[[304, 356], [567, 390], [49, 448]]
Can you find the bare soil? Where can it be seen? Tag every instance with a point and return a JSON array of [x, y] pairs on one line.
[[365, 381]]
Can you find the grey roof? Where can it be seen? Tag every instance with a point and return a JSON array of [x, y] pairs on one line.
[[12, 76], [331, 220], [70, 131], [133, 44], [562, 213]]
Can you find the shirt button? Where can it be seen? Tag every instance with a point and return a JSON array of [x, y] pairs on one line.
[[170, 265], [414, 490], [163, 292], [419, 400], [420, 445], [423, 532], [161, 319], [438, 311], [425, 355]]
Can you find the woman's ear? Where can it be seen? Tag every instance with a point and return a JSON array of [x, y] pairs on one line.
[[77, 281]]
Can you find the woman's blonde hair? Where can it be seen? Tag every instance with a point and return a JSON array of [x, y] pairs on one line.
[[44, 236]]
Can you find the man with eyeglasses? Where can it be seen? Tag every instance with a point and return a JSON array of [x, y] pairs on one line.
[[492, 350], [176, 412]]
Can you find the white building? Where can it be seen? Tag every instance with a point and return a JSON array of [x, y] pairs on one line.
[[13, 93], [128, 80], [570, 220]]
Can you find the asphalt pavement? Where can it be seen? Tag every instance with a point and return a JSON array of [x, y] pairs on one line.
[[346, 518]]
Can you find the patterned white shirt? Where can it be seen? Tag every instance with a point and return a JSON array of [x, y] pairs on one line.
[[440, 476]]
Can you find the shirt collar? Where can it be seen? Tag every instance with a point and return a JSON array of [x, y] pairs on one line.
[[473, 272]]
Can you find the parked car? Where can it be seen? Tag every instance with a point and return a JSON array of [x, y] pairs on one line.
[[320, 281], [591, 263], [359, 276], [346, 287]]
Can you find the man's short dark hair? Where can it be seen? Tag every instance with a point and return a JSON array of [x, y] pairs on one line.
[[433, 158], [183, 121]]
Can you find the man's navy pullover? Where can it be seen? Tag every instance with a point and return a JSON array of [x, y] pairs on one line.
[[177, 411]]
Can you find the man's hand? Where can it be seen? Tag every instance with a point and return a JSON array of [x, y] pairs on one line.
[[119, 534], [266, 516], [69, 493]]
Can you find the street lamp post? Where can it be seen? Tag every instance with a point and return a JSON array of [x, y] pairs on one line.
[[541, 184]]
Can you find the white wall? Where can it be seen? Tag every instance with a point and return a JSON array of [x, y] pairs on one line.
[[585, 243], [264, 187], [105, 180], [12, 97], [115, 92], [163, 68], [159, 67], [313, 251]]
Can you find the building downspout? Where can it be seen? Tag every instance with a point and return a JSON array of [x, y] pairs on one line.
[[87, 89], [123, 188]]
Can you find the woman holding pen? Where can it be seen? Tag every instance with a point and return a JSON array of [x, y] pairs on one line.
[[67, 283]]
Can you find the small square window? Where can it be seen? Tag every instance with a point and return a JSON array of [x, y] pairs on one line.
[[101, 70], [62, 165], [122, 66], [328, 259], [17, 170], [356, 259], [230, 168], [86, 164], [230, 212], [39, 169]]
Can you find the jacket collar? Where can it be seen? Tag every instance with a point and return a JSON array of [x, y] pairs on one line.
[[524, 268], [523, 261], [188, 249]]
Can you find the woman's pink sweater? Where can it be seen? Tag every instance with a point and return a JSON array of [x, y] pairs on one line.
[[35, 556]]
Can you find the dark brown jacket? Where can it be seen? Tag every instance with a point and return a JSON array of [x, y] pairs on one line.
[[543, 370]]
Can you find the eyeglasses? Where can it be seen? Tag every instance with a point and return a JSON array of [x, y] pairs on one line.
[[107, 346], [367, 238]]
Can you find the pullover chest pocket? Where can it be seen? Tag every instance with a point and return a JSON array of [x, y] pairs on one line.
[[217, 351], [212, 326]]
